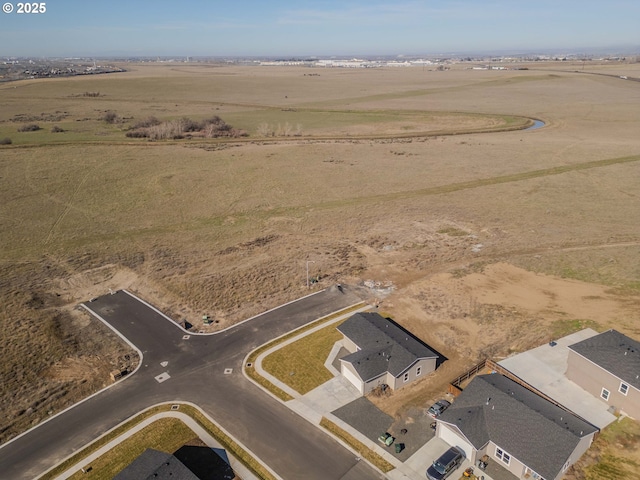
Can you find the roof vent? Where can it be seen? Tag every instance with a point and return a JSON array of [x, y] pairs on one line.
[[488, 400]]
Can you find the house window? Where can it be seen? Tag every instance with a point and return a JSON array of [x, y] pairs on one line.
[[406, 377], [605, 394], [624, 388], [418, 371], [502, 455]]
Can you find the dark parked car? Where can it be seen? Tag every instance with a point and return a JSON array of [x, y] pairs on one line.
[[445, 465], [438, 407]]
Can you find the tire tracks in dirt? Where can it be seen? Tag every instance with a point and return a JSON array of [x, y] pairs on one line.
[[521, 252], [68, 207], [478, 183]]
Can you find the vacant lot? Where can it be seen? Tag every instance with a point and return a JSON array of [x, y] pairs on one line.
[[365, 182]]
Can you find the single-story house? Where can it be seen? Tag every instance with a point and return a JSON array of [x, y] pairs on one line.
[[608, 366], [186, 463], [382, 352], [524, 433]]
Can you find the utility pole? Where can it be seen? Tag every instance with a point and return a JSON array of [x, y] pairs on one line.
[[308, 262]]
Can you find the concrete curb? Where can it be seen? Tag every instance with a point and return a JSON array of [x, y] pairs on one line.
[[224, 329], [125, 339], [240, 469], [401, 471], [278, 346]]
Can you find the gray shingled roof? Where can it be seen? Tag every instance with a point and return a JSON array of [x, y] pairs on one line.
[[615, 352], [384, 346], [156, 465], [528, 427]]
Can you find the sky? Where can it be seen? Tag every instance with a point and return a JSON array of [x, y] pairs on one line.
[[318, 27]]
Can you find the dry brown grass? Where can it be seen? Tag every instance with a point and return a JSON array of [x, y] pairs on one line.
[[614, 455], [225, 229]]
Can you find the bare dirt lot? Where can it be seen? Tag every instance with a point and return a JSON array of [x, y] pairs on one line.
[[494, 242]]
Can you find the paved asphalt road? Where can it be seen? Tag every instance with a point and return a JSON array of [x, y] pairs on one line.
[[290, 445]]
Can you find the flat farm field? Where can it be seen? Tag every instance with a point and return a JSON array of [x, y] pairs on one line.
[[486, 239]]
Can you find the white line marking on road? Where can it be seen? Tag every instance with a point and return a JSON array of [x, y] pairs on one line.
[[228, 371], [162, 377]]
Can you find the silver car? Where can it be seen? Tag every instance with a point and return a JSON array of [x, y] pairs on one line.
[[438, 407]]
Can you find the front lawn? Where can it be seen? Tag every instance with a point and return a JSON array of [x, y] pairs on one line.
[[300, 364]]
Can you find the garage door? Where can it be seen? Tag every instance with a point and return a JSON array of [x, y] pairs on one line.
[[349, 375], [455, 440]]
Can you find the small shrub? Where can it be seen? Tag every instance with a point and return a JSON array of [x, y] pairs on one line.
[[29, 127], [167, 130], [56, 129], [110, 117], [5, 141], [137, 134], [216, 120], [265, 130], [147, 122], [286, 130], [189, 125]]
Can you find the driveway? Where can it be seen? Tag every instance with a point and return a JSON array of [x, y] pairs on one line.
[[544, 368], [205, 370]]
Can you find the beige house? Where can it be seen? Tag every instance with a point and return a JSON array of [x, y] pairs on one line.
[[608, 366], [382, 352], [517, 429]]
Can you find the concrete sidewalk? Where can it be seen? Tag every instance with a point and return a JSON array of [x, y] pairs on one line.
[[261, 357], [336, 393], [239, 469]]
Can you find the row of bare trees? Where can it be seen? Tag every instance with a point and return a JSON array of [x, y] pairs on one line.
[[154, 129], [279, 130]]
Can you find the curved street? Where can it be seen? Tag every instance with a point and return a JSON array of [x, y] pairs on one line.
[[205, 370]]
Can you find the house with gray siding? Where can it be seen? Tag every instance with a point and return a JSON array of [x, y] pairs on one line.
[[608, 366], [382, 352], [522, 432]]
